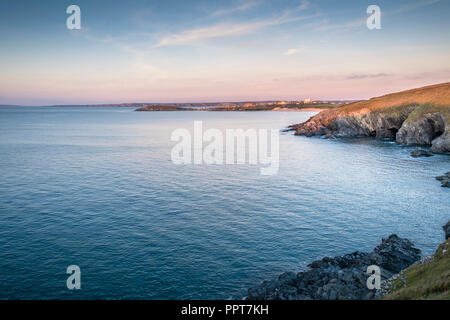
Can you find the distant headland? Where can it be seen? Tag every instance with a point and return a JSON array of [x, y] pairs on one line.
[[271, 105], [303, 105]]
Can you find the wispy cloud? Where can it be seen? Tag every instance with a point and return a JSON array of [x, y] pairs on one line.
[[346, 25], [293, 51], [242, 7], [232, 29], [367, 76], [223, 30], [415, 5], [304, 4]]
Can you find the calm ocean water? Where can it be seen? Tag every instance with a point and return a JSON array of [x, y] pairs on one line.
[[96, 187]]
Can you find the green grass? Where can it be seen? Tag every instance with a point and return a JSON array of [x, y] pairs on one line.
[[403, 110], [430, 280], [426, 108]]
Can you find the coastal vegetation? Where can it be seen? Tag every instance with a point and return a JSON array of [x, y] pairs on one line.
[[427, 280]]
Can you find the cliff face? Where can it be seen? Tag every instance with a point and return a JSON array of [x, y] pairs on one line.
[[442, 143], [414, 117], [423, 131]]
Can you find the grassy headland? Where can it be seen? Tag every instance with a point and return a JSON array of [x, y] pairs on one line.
[[414, 117]]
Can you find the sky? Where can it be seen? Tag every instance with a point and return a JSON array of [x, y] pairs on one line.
[[208, 50]]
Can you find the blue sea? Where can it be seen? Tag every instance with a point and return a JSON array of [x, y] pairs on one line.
[[96, 187]]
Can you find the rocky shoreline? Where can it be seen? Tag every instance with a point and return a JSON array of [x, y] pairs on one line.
[[340, 278], [391, 117], [346, 277], [430, 130]]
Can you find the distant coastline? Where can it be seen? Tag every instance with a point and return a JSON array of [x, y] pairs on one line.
[[247, 106], [299, 109], [272, 105]]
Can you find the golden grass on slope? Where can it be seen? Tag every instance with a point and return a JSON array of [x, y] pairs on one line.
[[429, 280], [436, 95]]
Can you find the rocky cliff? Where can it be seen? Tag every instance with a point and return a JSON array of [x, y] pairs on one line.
[[414, 117]]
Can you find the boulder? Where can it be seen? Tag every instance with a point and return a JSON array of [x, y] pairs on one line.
[[422, 131], [446, 176], [420, 153], [442, 143], [445, 180], [397, 253]]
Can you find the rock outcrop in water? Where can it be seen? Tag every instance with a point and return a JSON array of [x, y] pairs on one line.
[[445, 180], [341, 277], [413, 117], [421, 153], [442, 144]]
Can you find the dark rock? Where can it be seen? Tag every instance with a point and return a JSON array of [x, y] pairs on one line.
[[442, 143], [429, 129], [422, 131], [446, 176], [342, 277], [421, 153], [332, 123], [257, 293], [447, 230], [445, 180], [329, 136], [288, 277], [287, 292], [333, 294], [397, 253]]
